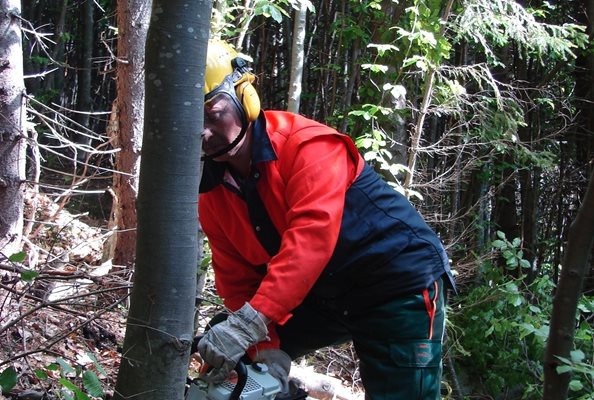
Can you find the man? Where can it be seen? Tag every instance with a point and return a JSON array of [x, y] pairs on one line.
[[310, 248]]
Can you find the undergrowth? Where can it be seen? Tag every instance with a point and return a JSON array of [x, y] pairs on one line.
[[500, 327]]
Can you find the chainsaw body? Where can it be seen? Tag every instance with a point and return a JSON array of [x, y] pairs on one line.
[[253, 382]]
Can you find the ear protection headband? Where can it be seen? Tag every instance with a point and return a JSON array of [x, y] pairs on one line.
[[245, 91]]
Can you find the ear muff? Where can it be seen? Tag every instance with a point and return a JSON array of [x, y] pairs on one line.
[[247, 95]]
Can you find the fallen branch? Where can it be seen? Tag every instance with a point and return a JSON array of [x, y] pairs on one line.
[[323, 387]]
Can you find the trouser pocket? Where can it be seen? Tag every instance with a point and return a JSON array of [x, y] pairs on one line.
[[419, 366]]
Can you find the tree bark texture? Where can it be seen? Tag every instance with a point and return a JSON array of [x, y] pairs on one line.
[[133, 19], [297, 59], [160, 322], [569, 290], [12, 128]]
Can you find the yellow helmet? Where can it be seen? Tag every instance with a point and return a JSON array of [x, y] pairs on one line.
[[226, 70], [218, 64]]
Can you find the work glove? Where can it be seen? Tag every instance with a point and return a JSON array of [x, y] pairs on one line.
[[226, 342], [279, 366]]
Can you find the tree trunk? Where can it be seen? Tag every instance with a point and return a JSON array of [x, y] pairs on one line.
[[133, 19], [569, 291], [12, 128], [504, 171], [55, 80], [530, 191], [297, 59], [584, 89], [83, 100], [505, 213], [160, 322]]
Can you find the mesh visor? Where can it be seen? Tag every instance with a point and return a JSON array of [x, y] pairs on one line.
[[226, 86]]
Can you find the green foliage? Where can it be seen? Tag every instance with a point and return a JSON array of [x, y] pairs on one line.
[[374, 147], [8, 380], [511, 252], [490, 114], [502, 336], [426, 47], [486, 112], [501, 327], [576, 365], [418, 44], [40, 60], [497, 23], [230, 17], [579, 364], [26, 275], [206, 257], [76, 383], [17, 257], [29, 276]]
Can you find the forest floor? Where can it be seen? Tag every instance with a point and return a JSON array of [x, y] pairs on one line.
[[64, 307]]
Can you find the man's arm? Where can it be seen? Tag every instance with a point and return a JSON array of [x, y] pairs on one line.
[[317, 172]]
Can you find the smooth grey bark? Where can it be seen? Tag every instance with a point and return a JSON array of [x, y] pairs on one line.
[[297, 59], [569, 290], [12, 128], [160, 322], [127, 125]]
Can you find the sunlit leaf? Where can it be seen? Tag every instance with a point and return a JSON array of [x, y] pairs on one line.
[[575, 385], [92, 384], [577, 355]]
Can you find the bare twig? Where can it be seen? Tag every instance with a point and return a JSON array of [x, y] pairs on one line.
[[46, 348], [53, 304]]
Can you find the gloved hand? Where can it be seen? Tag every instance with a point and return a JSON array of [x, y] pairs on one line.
[[279, 366], [226, 342]]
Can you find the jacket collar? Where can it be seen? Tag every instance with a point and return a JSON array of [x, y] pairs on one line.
[[262, 151]]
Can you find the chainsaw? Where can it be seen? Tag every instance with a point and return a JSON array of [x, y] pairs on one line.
[[252, 382]]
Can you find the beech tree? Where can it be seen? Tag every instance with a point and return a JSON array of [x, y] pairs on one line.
[[160, 326], [12, 132]]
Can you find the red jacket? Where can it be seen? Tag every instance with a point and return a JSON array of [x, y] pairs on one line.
[[302, 181]]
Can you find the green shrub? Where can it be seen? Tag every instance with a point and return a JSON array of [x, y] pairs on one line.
[[500, 328]]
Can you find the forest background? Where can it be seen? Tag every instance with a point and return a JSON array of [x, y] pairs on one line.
[[479, 111]]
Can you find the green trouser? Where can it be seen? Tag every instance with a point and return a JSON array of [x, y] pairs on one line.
[[398, 343]]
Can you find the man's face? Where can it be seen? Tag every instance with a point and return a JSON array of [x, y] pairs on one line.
[[222, 125]]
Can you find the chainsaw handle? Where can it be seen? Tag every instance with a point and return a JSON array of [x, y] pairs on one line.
[[240, 369], [242, 375]]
